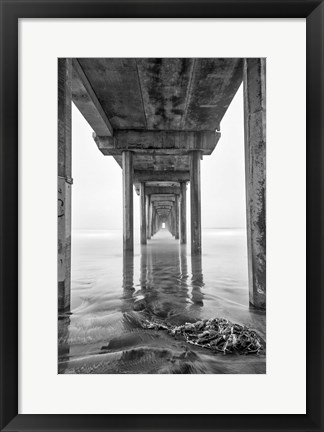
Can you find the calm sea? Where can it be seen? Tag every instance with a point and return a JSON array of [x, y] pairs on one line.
[[111, 292]]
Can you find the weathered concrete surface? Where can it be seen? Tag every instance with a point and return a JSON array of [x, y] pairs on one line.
[[164, 93], [167, 184], [164, 143], [162, 197], [165, 107], [195, 203], [128, 223], [153, 190], [116, 84], [143, 214], [183, 213], [153, 162], [159, 187], [64, 183], [214, 84], [158, 175], [254, 79], [87, 102]]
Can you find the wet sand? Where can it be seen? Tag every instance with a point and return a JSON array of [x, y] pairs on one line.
[[111, 293]]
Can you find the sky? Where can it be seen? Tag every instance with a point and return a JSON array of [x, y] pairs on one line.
[[97, 179]]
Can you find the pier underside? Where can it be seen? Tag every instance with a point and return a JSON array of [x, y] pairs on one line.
[[158, 118]]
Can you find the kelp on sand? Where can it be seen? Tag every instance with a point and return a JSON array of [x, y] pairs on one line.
[[217, 335]]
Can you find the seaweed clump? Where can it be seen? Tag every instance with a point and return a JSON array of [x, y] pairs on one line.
[[217, 335]]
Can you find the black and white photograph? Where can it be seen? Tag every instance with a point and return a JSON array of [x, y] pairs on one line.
[[161, 215]]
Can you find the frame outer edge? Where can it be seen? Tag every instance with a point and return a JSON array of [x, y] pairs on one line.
[[315, 216], [10, 420], [9, 214]]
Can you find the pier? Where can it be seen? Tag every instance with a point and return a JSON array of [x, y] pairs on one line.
[[159, 118]]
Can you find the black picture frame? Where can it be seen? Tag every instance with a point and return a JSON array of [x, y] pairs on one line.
[[11, 11]]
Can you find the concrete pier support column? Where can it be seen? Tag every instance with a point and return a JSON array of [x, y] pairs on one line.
[[143, 213], [128, 224], [151, 218], [153, 221], [64, 183], [195, 202], [254, 76], [172, 221], [183, 213], [148, 216], [176, 213]]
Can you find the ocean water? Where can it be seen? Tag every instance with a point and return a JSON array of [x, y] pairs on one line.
[[112, 292]]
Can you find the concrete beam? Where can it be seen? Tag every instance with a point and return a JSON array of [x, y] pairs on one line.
[[162, 203], [162, 197], [151, 175], [64, 183], [150, 190], [158, 142], [87, 102], [169, 184], [254, 80]]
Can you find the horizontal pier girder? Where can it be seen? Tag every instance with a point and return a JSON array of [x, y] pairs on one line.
[[166, 142], [162, 184], [151, 190], [163, 206], [162, 197], [167, 175], [163, 203]]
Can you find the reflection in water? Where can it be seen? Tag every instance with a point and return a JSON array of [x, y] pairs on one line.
[[128, 280], [113, 292], [128, 272], [164, 280], [197, 281]]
